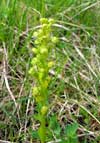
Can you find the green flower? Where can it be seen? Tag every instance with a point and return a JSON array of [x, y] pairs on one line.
[[35, 34], [34, 61], [54, 40], [35, 91], [51, 21], [44, 50], [34, 50], [44, 21], [44, 110], [30, 71], [50, 64]]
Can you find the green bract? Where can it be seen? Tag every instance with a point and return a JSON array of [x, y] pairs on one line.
[[40, 66]]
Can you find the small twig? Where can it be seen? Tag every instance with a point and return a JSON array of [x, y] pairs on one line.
[[27, 109], [2, 141], [5, 76], [56, 141], [6, 81]]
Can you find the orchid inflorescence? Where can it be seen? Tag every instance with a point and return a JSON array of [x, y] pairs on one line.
[[41, 64]]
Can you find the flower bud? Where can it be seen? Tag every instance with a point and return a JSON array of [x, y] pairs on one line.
[[51, 21], [34, 50], [34, 61], [54, 40], [44, 50], [35, 34], [44, 110], [30, 71], [35, 91], [50, 64], [44, 21]]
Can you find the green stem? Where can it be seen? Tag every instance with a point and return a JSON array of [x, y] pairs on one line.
[[42, 129]]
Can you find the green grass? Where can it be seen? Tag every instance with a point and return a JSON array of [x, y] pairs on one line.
[[75, 86]]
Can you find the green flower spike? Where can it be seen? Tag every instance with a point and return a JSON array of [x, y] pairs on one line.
[[41, 65]]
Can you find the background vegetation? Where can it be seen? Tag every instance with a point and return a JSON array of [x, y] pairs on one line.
[[75, 87]]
